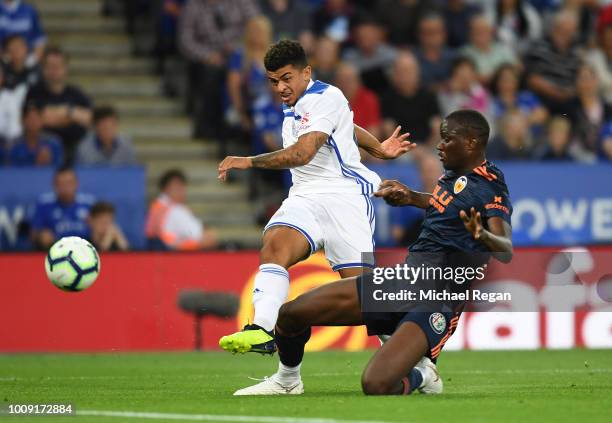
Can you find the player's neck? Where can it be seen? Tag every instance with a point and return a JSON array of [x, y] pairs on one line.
[[472, 163]]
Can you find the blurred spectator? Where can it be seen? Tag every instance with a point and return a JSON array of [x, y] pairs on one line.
[[557, 143], [484, 51], [267, 187], [458, 14], [464, 91], [514, 140], [326, 58], [544, 6], [209, 31], [106, 235], [586, 12], [19, 75], [290, 20], [165, 42], [61, 213], [605, 142], [246, 78], [517, 22], [589, 112], [170, 222], [10, 123], [105, 146], [333, 19], [601, 55], [435, 58], [35, 148], [371, 55], [365, 104], [66, 110], [506, 84], [552, 62], [408, 104], [19, 18], [400, 19]]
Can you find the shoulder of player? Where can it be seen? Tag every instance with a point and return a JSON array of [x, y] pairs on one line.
[[489, 177], [320, 91]]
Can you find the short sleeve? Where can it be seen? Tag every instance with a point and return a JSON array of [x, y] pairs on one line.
[[497, 202], [320, 115]]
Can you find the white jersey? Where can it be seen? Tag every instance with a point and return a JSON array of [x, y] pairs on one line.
[[336, 167]]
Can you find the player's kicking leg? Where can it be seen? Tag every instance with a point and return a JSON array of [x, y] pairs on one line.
[[283, 246], [337, 304]]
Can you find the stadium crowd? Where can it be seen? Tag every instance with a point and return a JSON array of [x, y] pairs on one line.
[[539, 70]]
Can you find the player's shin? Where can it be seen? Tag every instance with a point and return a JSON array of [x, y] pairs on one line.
[[291, 353], [270, 291]]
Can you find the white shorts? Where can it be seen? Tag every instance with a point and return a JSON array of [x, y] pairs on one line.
[[341, 224]]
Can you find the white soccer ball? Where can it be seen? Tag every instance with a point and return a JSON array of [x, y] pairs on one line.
[[72, 264]]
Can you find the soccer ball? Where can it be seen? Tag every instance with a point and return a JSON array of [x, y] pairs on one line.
[[72, 264]]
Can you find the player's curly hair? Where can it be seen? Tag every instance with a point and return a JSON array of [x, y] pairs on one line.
[[473, 124], [283, 53]]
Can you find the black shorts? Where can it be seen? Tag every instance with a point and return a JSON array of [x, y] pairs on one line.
[[438, 326]]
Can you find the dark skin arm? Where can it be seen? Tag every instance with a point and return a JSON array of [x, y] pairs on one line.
[[498, 238], [299, 154], [397, 194]]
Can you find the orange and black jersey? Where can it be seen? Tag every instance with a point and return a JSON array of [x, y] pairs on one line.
[[484, 188]]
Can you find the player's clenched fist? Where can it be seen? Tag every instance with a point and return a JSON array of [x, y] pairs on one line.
[[394, 193], [233, 162]]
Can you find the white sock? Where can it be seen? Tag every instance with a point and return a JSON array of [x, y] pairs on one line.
[[270, 291], [288, 375]]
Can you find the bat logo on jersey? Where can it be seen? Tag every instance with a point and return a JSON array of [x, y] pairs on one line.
[[437, 321], [460, 184]]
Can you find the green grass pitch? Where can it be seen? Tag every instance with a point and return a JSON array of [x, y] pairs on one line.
[[535, 386]]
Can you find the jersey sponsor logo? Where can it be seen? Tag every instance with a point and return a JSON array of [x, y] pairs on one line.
[[460, 184], [497, 206], [437, 321], [440, 200]]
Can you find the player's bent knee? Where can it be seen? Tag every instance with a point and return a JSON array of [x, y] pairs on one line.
[[289, 320], [372, 385]]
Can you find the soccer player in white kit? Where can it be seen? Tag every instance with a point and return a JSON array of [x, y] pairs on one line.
[[329, 203]]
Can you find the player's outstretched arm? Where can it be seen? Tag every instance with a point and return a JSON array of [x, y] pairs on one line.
[[298, 154], [498, 238], [397, 194], [391, 148]]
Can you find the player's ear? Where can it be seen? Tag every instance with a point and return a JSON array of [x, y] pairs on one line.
[[307, 73]]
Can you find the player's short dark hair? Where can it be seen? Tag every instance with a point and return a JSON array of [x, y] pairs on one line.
[[472, 124], [103, 112], [283, 53], [8, 40], [101, 207], [170, 175], [55, 51]]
